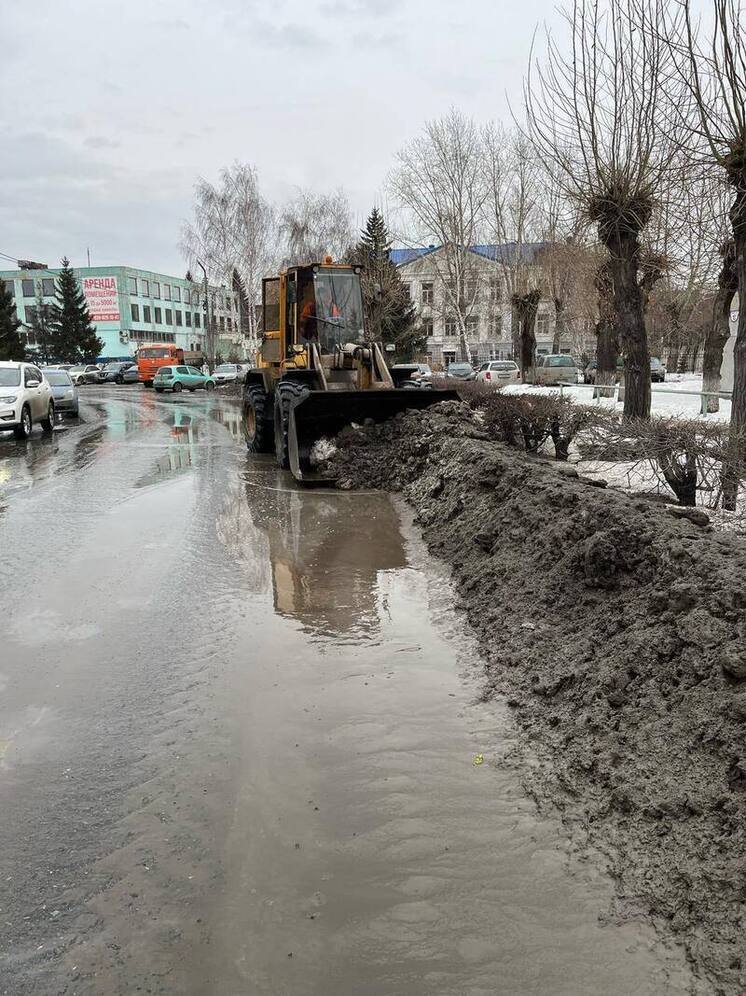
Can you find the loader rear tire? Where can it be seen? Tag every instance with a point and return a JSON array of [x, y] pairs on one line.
[[258, 427], [287, 393]]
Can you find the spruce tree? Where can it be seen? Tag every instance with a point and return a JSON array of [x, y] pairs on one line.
[[75, 339], [390, 315], [11, 344]]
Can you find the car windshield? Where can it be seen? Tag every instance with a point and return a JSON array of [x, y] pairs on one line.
[[164, 372], [78, 369], [560, 361], [154, 354], [655, 362], [10, 376], [504, 366], [459, 368], [58, 378]]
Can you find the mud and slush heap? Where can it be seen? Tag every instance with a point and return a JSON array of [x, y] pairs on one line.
[[617, 633]]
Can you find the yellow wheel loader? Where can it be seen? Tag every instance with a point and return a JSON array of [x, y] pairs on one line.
[[317, 370]]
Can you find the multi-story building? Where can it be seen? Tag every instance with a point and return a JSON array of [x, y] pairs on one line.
[[487, 309], [130, 307]]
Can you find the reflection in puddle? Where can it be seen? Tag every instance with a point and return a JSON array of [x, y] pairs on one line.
[[175, 460], [326, 552], [231, 419]]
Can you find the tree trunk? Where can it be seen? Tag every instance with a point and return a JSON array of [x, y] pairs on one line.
[[559, 325], [719, 330], [607, 345], [737, 450], [527, 306], [630, 320]]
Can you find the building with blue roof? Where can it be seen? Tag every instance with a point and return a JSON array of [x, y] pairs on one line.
[[485, 305]]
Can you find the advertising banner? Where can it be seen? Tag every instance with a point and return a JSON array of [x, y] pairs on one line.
[[101, 298]]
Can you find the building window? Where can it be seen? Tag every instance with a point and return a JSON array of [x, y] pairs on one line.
[[27, 287], [542, 324], [156, 290], [132, 284], [196, 320], [179, 320], [157, 316], [222, 323], [166, 292], [230, 323], [427, 327], [31, 311], [47, 287], [135, 311], [10, 287], [169, 317], [145, 288], [146, 313], [177, 293], [470, 289], [451, 327], [472, 324], [495, 289], [188, 319], [427, 294]]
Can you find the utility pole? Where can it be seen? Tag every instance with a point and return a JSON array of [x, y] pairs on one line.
[[208, 323]]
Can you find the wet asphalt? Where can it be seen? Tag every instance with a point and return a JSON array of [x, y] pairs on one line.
[[238, 731]]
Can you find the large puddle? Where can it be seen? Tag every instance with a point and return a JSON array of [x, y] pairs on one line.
[[381, 843]]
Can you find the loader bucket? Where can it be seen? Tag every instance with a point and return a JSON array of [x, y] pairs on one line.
[[322, 414]]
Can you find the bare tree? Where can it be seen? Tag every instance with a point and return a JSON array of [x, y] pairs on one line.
[[511, 220], [439, 181], [314, 225], [715, 73], [601, 117], [233, 231]]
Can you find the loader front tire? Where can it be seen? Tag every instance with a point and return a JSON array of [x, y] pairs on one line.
[[258, 427], [287, 393]]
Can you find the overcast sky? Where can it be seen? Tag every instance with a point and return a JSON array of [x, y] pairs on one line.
[[109, 112]]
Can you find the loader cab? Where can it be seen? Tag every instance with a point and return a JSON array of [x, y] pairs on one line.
[[325, 306]]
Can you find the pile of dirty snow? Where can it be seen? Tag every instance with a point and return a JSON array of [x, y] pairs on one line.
[[617, 632]]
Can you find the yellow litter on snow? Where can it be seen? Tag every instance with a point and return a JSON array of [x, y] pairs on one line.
[[478, 759]]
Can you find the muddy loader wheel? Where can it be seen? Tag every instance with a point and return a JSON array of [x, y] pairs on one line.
[[287, 393], [258, 428]]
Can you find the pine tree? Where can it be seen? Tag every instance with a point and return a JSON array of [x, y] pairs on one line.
[[11, 344], [390, 315], [75, 339], [41, 321]]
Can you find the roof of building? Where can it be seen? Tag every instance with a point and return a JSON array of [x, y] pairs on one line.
[[504, 252]]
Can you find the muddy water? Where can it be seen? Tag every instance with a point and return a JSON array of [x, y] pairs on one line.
[[238, 726], [369, 850]]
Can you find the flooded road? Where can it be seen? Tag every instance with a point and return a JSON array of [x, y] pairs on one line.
[[238, 733]]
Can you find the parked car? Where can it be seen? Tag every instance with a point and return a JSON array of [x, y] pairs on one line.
[[64, 392], [461, 371], [85, 373], [113, 373], [25, 398], [228, 373], [555, 368], [589, 374], [129, 376], [177, 378], [409, 375], [499, 372], [657, 371]]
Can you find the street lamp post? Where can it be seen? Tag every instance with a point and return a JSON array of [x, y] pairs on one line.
[[208, 323]]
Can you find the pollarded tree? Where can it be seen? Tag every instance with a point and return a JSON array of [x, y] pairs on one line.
[[714, 72], [74, 338], [390, 314], [11, 345], [601, 117]]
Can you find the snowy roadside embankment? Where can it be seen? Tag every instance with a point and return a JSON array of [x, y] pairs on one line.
[[617, 632]]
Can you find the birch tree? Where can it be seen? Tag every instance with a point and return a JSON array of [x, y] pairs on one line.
[[439, 182], [315, 225]]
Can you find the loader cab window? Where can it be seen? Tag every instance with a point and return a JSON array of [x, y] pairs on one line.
[[332, 309]]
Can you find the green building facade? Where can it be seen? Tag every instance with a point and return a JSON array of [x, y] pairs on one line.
[[130, 307]]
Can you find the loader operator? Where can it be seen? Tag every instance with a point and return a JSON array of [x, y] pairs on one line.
[[310, 319]]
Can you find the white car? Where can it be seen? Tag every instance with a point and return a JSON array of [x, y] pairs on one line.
[[499, 372], [85, 373], [25, 398], [228, 373]]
